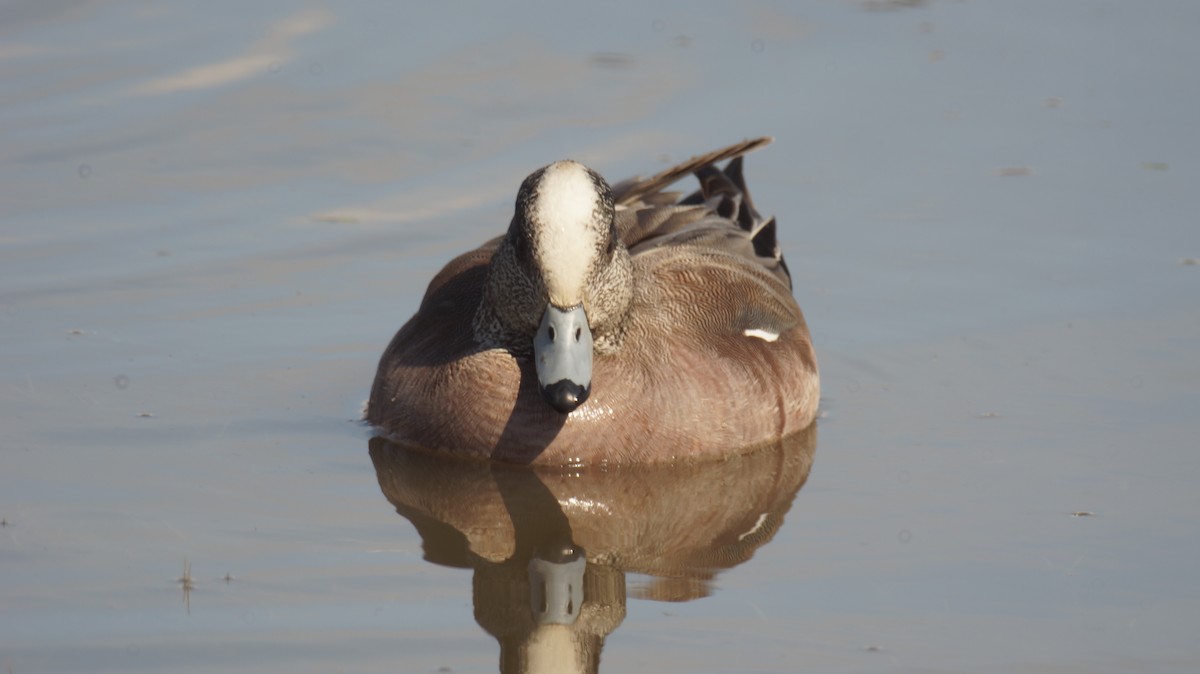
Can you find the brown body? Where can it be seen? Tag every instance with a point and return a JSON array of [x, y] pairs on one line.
[[715, 355]]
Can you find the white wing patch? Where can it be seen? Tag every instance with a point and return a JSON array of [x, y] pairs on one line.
[[762, 518], [567, 239], [765, 335]]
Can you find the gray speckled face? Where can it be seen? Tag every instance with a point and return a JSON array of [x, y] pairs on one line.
[[561, 252]]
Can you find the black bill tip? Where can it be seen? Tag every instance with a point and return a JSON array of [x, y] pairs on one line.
[[565, 396]]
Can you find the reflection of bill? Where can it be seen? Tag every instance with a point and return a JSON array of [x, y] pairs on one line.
[[550, 547]]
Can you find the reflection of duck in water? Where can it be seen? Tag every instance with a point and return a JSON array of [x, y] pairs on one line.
[[617, 324], [550, 547]]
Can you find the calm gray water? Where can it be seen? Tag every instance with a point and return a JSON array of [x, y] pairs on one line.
[[213, 217]]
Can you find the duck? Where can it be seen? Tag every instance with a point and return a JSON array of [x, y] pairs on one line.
[[622, 324]]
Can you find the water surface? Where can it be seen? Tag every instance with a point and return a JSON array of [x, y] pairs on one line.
[[213, 218]]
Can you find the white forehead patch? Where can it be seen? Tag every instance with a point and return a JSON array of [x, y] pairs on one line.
[[566, 237]]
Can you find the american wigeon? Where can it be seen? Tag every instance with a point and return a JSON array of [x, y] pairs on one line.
[[614, 324]]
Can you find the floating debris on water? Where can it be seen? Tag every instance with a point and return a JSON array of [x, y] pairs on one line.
[[891, 5], [611, 59], [187, 583], [336, 219], [1014, 171]]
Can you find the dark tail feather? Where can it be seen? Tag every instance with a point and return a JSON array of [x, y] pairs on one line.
[[725, 192], [631, 191], [767, 245], [722, 191]]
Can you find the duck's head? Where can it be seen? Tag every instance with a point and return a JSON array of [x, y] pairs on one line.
[[561, 281]]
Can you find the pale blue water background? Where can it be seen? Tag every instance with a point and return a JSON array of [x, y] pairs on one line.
[[217, 214]]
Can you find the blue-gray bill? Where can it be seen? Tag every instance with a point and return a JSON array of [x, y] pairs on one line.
[[562, 353]]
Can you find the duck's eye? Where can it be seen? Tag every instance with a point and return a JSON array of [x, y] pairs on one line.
[[551, 332], [522, 253], [578, 333]]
